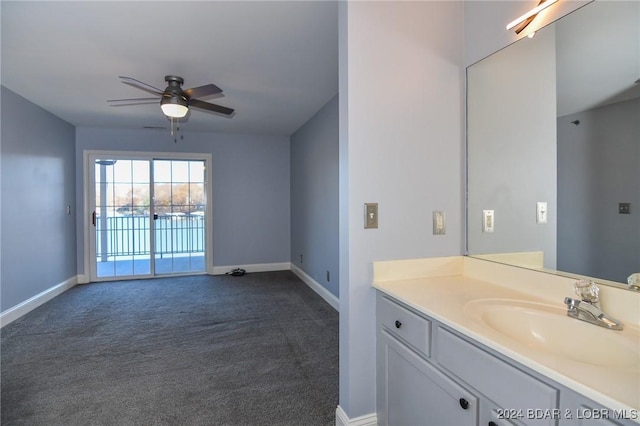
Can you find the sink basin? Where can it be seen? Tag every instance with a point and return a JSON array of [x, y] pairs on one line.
[[547, 328]]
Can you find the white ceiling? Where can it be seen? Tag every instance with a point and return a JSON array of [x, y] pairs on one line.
[[276, 61]]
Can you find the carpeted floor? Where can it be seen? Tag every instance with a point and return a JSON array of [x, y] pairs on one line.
[[261, 349]]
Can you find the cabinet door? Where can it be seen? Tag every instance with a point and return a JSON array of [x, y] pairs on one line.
[[414, 393]]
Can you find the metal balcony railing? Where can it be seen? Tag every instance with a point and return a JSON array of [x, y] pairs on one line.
[[118, 236]]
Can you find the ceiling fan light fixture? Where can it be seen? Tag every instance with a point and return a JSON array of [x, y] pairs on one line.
[[174, 107], [174, 102]]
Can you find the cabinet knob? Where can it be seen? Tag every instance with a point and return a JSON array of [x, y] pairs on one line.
[[464, 403], [398, 324]]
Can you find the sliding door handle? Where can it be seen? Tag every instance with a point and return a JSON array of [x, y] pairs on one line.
[[93, 218]]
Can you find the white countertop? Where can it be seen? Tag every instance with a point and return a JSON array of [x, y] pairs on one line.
[[444, 297]]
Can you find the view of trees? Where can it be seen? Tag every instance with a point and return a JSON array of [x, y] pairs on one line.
[[183, 197]]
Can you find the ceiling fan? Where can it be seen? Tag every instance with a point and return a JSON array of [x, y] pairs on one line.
[[174, 101]]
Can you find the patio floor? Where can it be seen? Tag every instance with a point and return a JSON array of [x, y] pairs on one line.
[[128, 267]]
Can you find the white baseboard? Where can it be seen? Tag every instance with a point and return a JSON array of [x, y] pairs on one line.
[[29, 305], [315, 286], [258, 267], [83, 279], [343, 420]]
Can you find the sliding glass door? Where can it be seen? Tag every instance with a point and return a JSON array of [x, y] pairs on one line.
[[179, 208], [121, 218], [149, 217]]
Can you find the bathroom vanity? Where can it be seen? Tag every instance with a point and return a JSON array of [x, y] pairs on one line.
[[462, 341]]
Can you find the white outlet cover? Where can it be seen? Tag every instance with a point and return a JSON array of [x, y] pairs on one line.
[[439, 223], [487, 220]]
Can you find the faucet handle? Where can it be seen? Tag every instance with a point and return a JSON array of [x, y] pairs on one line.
[[634, 281], [587, 290]]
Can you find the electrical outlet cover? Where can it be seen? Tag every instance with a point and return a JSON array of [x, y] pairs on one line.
[[439, 223], [487, 220], [624, 208]]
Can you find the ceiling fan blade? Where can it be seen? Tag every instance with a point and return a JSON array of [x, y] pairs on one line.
[[132, 99], [140, 85], [202, 91], [155, 102], [210, 107]]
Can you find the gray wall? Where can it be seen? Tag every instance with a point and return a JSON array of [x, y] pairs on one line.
[[401, 121], [38, 243], [251, 200], [314, 197], [597, 169]]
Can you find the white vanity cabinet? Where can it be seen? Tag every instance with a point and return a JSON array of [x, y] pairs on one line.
[[429, 374], [405, 376], [413, 390]]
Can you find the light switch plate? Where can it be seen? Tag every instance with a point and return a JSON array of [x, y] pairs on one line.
[[541, 212], [370, 215]]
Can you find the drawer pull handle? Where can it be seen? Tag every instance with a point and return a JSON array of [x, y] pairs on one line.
[[398, 324], [464, 403]]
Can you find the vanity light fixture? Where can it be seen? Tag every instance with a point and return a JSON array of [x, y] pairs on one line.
[[526, 19]]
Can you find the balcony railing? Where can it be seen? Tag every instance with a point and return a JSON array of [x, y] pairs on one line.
[[131, 235]]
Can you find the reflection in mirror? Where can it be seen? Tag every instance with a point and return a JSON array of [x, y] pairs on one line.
[[556, 120]]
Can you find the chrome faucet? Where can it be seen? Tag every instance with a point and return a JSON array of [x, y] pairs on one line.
[[588, 308]]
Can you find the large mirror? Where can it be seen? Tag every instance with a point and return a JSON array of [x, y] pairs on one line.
[[553, 147]]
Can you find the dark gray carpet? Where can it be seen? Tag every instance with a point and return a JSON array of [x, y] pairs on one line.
[[261, 349]]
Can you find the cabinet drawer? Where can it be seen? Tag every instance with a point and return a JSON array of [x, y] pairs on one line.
[[409, 327], [578, 410], [510, 388]]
